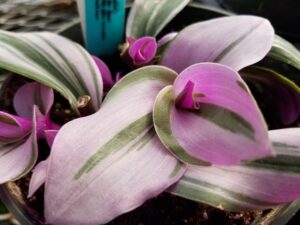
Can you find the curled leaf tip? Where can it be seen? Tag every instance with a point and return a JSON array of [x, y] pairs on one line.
[[189, 99]]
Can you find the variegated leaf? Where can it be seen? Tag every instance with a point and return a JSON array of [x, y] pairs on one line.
[[116, 156], [18, 159], [255, 185], [54, 61], [278, 95], [284, 51], [216, 117], [219, 40], [148, 18]]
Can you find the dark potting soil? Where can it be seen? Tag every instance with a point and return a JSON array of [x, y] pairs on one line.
[[166, 209]]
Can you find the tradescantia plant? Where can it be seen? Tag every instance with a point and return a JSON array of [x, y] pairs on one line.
[[188, 125]]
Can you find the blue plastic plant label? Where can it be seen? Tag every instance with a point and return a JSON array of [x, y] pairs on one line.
[[103, 23]]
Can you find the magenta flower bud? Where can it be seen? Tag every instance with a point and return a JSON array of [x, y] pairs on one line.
[[142, 50], [108, 80]]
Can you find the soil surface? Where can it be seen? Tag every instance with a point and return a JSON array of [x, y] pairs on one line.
[[166, 209]]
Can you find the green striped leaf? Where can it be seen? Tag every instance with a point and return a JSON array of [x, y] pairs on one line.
[[54, 61], [283, 58], [255, 185], [113, 154], [148, 18], [279, 97], [285, 52]]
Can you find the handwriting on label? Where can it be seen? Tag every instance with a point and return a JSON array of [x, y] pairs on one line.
[[104, 10]]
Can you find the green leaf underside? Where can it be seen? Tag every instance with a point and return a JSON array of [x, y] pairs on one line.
[[162, 109], [233, 122], [121, 139], [235, 43]]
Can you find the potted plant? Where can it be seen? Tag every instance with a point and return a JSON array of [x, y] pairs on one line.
[[183, 120]]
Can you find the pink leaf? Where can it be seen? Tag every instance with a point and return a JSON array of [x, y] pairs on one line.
[[50, 136], [113, 154], [225, 125], [38, 177], [236, 41], [13, 128], [108, 81], [32, 94]]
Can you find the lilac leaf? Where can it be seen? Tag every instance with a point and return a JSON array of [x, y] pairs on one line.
[[17, 159], [123, 168], [31, 94], [36, 94], [108, 81], [50, 136], [224, 118], [256, 185], [38, 177], [13, 128], [219, 40]]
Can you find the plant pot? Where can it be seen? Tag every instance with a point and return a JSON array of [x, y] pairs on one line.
[[283, 14], [11, 193]]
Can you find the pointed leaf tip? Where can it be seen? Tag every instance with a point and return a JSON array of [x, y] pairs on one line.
[[233, 47], [38, 177]]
